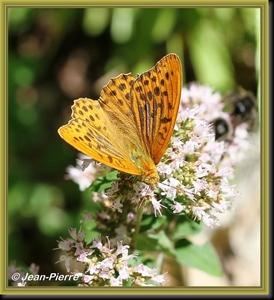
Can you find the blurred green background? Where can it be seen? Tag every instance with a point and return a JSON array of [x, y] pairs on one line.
[[58, 55]]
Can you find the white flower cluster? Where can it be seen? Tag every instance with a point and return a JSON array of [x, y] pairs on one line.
[[105, 266], [197, 166]]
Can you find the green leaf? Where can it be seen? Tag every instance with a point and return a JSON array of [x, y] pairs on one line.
[[112, 176], [202, 257], [155, 242], [185, 227], [89, 229], [149, 222], [103, 183], [91, 235]]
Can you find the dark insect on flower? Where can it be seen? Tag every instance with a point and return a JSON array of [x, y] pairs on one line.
[[222, 129], [242, 107]]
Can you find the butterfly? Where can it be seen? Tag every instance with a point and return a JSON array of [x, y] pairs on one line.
[[129, 127]]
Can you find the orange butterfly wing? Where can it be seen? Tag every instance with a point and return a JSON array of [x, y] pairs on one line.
[[92, 132], [156, 98]]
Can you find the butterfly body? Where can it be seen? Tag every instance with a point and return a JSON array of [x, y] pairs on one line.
[[130, 125]]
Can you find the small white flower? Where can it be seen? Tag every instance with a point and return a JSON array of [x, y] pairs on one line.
[[157, 206], [145, 271], [177, 207], [222, 206], [116, 281], [159, 278], [190, 146], [106, 264], [122, 249], [226, 171], [67, 260], [83, 179], [199, 212], [124, 273], [203, 170], [87, 278], [97, 243], [210, 220], [212, 194], [164, 169], [169, 188], [200, 185]]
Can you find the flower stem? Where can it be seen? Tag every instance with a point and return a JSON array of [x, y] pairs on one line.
[[137, 227]]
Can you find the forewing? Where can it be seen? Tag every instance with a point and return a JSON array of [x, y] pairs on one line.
[[155, 102]]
